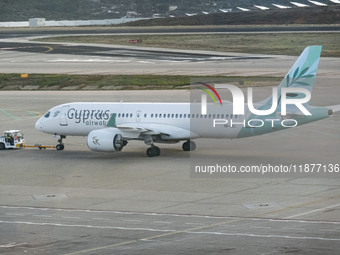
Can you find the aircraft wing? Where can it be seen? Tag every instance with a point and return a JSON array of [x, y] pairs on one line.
[[168, 132]]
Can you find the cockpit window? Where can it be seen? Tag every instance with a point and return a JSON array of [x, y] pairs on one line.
[[47, 115]]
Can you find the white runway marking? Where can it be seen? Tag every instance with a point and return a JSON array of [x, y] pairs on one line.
[[313, 211], [96, 60], [268, 236], [42, 216], [85, 226], [299, 229], [297, 221], [146, 62], [11, 245], [193, 223], [117, 212], [259, 227], [287, 219], [163, 222], [101, 219]]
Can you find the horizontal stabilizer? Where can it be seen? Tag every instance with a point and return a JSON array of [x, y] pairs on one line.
[[334, 108]]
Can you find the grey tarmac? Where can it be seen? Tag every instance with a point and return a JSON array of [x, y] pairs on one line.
[[81, 202]]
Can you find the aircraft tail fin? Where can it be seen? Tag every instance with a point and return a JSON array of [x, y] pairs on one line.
[[303, 72], [301, 75]]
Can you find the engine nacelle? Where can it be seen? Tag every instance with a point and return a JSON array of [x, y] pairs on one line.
[[108, 140]]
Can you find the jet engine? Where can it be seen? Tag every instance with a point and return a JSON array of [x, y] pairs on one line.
[[107, 140]]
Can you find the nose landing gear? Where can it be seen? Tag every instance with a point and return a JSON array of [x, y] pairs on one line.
[[60, 146]]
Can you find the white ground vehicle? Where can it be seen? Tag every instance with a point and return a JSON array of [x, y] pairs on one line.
[[12, 139]]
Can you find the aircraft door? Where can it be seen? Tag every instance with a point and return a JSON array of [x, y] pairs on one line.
[[138, 116], [63, 116]]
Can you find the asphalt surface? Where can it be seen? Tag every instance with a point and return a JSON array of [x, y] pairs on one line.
[[81, 202], [131, 60], [111, 232], [19, 55], [117, 52]]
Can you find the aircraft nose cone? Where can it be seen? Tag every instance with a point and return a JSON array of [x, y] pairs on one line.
[[38, 125]]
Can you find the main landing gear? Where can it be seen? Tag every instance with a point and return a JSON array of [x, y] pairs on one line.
[[189, 146], [153, 151], [60, 146]]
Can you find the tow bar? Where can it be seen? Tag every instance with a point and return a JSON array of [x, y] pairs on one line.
[[39, 146]]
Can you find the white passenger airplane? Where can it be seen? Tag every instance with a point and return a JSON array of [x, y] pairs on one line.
[[109, 126]]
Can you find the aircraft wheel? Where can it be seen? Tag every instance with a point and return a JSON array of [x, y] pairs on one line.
[[158, 151], [60, 147], [189, 146], [153, 151]]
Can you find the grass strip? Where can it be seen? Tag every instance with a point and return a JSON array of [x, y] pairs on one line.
[[261, 43], [119, 82]]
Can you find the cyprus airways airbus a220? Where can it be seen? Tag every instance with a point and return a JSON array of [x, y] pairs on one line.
[[109, 126]]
